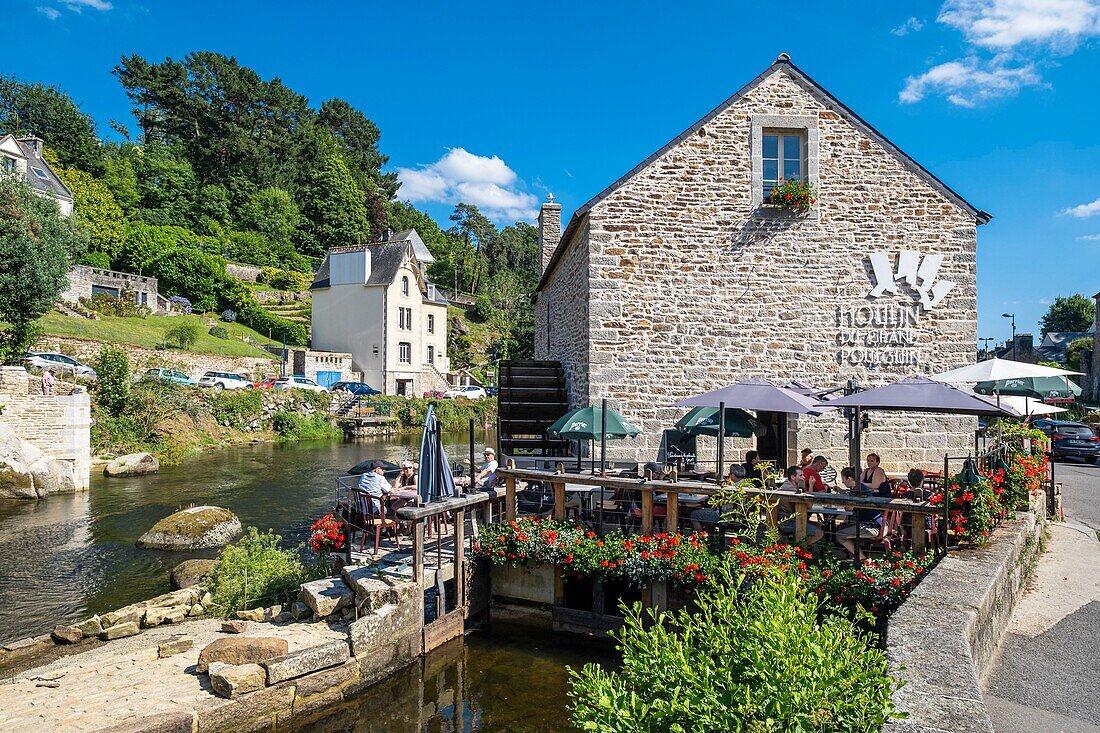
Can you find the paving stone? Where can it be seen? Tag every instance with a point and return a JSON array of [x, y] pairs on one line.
[[327, 596], [118, 631], [231, 681], [174, 646], [306, 661], [241, 650], [66, 634]]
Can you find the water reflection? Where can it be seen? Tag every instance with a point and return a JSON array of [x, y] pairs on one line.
[[505, 682], [71, 555]]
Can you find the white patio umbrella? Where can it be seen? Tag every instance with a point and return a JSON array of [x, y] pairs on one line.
[[995, 370], [1025, 405]]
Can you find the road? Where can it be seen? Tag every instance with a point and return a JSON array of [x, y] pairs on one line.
[[1045, 675]]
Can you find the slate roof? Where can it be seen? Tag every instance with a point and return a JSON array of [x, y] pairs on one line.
[[1053, 347], [782, 62], [386, 258]]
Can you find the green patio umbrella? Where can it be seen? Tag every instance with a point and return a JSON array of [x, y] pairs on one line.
[[1054, 389], [704, 421]]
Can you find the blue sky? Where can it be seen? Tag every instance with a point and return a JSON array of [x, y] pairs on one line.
[[499, 103]]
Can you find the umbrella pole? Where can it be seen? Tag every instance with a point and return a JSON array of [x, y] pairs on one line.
[[578, 455], [471, 486], [721, 441], [603, 436]]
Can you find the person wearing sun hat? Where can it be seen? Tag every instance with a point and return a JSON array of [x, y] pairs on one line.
[[486, 475]]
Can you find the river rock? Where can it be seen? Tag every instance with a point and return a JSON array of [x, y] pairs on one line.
[[234, 680], [90, 627], [241, 650], [118, 631], [66, 634], [175, 645], [306, 661], [327, 596], [299, 611], [157, 616], [189, 573], [192, 529], [28, 473], [255, 614], [133, 464], [234, 627]]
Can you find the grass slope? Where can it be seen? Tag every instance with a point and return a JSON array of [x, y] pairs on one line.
[[149, 332]]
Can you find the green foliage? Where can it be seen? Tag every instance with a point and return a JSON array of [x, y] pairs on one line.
[[762, 663], [357, 140], [219, 332], [238, 408], [1074, 351], [38, 247], [124, 306], [120, 177], [404, 215], [193, 274], [291, 425], [185, 333], [146, 423], [333, 214], [51, 114], [506, 304], [113, 383], [452, 414], [96, 259], [271, 212], [237, 296], [285, 279], [255, 571], [1073, 313], [95, 207]]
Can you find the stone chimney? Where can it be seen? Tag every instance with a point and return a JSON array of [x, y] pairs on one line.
[[549, 230]]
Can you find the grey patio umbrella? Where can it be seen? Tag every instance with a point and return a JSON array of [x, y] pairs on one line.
[[435, 480], [921, 394]]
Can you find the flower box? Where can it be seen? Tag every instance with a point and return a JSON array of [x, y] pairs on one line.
[[533, 584]]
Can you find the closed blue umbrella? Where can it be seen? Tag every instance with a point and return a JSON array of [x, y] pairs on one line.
[[435, 479]]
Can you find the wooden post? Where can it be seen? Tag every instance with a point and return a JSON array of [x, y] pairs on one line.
[[647, 511], [801, 523], [917, 528], [672, 516], [418, 552], [510, 494], [559, 499], [460, 558]]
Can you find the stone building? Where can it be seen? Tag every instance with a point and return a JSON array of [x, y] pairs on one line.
[[374, 301], [84, 282], [23, 156], [682, 276]]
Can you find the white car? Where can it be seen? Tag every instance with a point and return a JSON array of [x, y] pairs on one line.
[[225, 380], [59, 363], [470, 392], [297, 381]]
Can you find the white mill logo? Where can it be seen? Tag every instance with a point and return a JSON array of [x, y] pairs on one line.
[[917, 271]]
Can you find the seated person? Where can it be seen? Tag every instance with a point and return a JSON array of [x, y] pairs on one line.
[[873, 481], [864, 528], [407, 478], [373, 485], [754, 472], [915, 477], [807, 457], [486, 475], [812, 474], [786, 509]]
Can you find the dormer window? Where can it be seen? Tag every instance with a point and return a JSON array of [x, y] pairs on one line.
[[405, 286]]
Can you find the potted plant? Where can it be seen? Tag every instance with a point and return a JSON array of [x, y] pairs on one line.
[[793, 195]]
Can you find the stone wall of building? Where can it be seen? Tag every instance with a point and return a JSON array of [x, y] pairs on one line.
[[243, 272], [562, 318], [142, 289], [693, 286], [59, 425]]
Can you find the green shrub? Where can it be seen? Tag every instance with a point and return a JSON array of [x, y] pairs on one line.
[[236, 295], [236, 408], [452, 414], [219, 332], [284, 279], [255, 571], [185, 333], [124, 306], [113, 383], [760, 662], [96, 259], [293, 426]]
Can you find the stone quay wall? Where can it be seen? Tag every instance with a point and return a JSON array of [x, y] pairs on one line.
[[688, 283], [59, 425]]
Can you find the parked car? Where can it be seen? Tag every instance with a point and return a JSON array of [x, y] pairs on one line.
[[172, 376], [60, 364], [1070, 439], [297, 381], [268, 383], [470, 392], [492, 391], [225, 380], [356, 388]]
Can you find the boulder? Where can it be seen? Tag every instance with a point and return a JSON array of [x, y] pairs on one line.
[[189, 573], [130, 614], [192, 529], [299, 611], [327, 596], [90, 627], [118, 631], [175, 645], [241, 650], [133, 464], [256, 614], [157, 616], [306, 661], [28, 473], [66, 634], [196, 610], [234, 680], [234, 627]]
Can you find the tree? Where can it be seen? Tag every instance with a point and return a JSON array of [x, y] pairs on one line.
[[51, 114], [471, 239], [506, 304], [184, 332], [1074, 313], [357, 139], [1074, 350], [272, 212], [37, 248], [404, 215], [113, 383], [171, 194], [193, 274], [95, 207], [332, 206], [120, 178]]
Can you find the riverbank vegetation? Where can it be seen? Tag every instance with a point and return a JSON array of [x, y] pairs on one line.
[[453, 415], [257, 571], [152, 333]]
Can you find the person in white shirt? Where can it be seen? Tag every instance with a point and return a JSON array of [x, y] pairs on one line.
[[487, 474]]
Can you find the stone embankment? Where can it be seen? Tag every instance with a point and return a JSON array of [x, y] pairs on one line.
[[156, 674]]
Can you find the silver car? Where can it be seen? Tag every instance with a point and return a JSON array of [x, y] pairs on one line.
[[225, 380], [59, 363]]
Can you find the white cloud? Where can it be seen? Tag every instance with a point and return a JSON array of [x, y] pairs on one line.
[[78, 5], [1004, 24], [1090, 237], [970, 81], [463, 177], [51, 13], [911, 25], [1082, 210]]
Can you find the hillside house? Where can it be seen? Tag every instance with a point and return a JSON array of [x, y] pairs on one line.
[[375, 302], [683, 276], [23, 156]]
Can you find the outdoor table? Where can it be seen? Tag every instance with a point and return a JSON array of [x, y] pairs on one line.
[[829, 516]]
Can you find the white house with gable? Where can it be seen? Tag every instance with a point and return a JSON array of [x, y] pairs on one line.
[[23, 156]]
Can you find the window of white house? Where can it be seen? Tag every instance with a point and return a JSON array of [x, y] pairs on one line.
[[405, 286], [404, 352], [431, 354], [783, 158], [7, 164], [431, 323], [404, 319]]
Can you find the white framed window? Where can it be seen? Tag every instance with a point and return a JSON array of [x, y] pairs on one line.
[[431, 323], [404, 319], [7, 164], [405, 286], [783, 158], [431, 354], [404, 352]]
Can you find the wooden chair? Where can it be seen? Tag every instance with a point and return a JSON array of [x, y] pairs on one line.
[[891, 520], [372, 518]]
